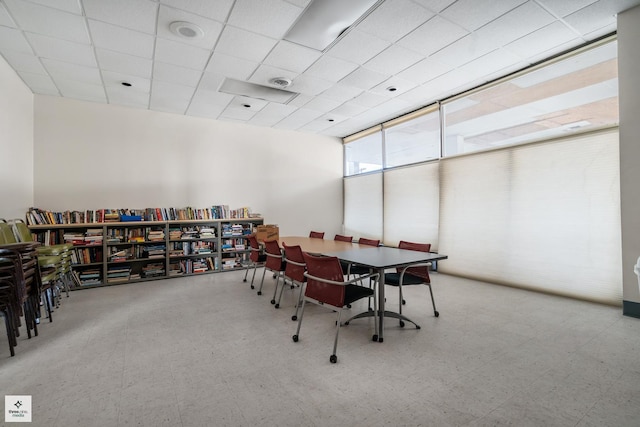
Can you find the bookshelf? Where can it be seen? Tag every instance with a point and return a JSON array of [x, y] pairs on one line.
[[113, 253]]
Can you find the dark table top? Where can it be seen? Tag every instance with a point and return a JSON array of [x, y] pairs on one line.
[[384, 256]]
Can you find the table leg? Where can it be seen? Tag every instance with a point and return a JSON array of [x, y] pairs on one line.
[[380, 305]]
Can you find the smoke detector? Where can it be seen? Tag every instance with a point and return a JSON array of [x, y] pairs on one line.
[[186, 30], [281, 82]]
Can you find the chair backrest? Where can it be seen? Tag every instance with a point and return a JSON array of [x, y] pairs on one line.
[[328, 268], [22, 232], [254, 246], [342, 238], [274, 255], [422, 272], [6, 233], [370, 242], [317, 234], [295, 263]]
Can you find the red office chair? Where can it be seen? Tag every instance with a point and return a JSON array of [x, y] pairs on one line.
[[342, 238], [256, 257], [317, 234], [411, 275], [326, 287], [294, 271], [275, 263], [352, 269]]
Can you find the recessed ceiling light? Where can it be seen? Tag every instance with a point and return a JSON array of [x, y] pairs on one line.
[[246, 105], [392, 88], [281, 82], [127, 84], [186, 30], [330, 120]]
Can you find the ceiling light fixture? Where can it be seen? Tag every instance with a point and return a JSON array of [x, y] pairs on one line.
[[186, 30], [253, 90], [281, 82], [324, 21], [127, 84]]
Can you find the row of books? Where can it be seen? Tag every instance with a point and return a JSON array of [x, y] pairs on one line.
[[36, 216]]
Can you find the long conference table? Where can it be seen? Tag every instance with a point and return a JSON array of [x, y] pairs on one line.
[[377, 258]]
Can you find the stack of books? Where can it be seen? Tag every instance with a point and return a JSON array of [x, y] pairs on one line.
[[118, 274]]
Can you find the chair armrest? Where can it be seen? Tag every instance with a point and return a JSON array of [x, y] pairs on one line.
[[299, 264], [333, 282], [273, 255]]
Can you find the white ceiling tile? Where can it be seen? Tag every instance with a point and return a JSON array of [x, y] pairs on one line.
[[368, 99], [399, 85], [5, 19], [330, 68], [462, 51], [418, 96], [13, 40], [300, 3], [394, 19], [24, 62], [468, 15], [246, 103], [597, 15], [272, 18], [309, 85], [244, 44], [59, 70], [120, 39], [170, 90], [271, 114], [218, 10], [393, 60], [210, 82], [433, 36], [358, 47], [82, 91], [39, 83], [123, 63], [212, 97], [175, 74], [181, 54], [435, 5], [323, 104], [318, 125], [300, 100], [298, 118], [265, 73], [231, 66], [237, 114], [139, 15], [62, 50], [50, 22], [120, 95], [168, 104], [517, 23], [138, 84], [364, 79], [211, 28], [72, 6], [350, 109], [543, 40], [342, 92], [424, 71], [291, 56], [565, 7]]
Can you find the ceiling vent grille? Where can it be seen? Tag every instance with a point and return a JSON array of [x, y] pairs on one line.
[[253, 90]]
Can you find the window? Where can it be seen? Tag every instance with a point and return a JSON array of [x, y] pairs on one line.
[[363, 152], [412, 139], [576, 93]]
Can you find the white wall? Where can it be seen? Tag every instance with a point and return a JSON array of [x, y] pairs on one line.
[[92, 156], [629, 100], [16, 144]]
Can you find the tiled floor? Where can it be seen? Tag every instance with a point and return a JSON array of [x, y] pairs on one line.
[[207, 351]]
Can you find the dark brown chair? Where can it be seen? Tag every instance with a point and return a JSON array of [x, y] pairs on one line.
[[326, 287], [341, 238], [294, 272], [256, 257], [317, 234], [411, 275]]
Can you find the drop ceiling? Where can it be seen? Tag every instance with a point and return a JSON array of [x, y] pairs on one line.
[[426, 50]]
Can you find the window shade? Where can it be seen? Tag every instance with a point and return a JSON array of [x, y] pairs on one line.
[[363, 206], [543, 216], [411, 204]]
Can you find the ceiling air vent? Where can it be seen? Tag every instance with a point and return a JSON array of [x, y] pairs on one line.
[[253, 90]]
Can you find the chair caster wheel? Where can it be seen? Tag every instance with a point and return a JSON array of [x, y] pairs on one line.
[[244, 280], [404, 302], [252, 287], [380, 339], [333, 358], [273, 301], [346, 323], [259, 293], [417, 326], [294, 318], [435, 313], [277, 305], [401, 324], [293, 287], [374, 338], [295, 338], [348, 305]]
